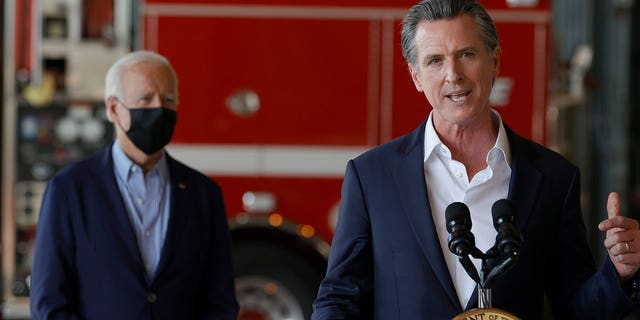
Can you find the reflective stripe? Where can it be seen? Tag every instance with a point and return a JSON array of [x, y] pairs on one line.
[[255, 160]]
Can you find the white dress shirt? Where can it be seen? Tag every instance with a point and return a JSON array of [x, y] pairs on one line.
[[447, 182]]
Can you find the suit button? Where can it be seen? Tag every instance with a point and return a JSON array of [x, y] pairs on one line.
[[151, 297]]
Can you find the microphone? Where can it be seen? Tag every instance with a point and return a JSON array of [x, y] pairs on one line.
[[509, 239], [461, 241]]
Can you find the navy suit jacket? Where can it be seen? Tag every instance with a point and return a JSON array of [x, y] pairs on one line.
[[386, 261], [87, 264]]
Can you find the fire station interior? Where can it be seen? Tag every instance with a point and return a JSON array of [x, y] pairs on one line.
[[581, 100]]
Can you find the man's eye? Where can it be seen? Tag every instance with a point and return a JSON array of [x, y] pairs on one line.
[[468, 54], [434, 61]]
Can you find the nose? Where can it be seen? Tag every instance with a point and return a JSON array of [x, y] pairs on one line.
[[157, 101], [453, 72]]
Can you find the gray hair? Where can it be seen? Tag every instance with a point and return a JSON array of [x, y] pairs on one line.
[[114, 75], [434, 10]]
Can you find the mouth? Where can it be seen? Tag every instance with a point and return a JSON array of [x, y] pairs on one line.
[[459, 96]]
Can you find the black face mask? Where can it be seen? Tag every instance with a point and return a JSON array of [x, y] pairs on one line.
[[151, 128]]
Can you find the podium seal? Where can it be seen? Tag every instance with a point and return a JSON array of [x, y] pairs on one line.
[[486, 314]]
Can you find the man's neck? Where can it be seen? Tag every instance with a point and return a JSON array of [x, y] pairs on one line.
[[137, 156], [470, 144]]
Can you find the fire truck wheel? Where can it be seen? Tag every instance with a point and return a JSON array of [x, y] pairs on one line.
[[273, 282]]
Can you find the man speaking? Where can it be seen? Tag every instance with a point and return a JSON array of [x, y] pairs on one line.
[[390, 257]]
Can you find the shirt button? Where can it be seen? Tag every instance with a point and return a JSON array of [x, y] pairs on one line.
[[147, 233], [151, 297], [133, 169], [139, 200], [458, 174]]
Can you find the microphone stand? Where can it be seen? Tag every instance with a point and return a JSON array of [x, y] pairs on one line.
[[486, 277], [461, 242]]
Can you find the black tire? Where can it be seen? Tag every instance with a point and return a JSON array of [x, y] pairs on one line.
[[254, 260]]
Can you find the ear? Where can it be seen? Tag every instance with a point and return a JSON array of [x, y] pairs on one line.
[[415, 76], [496, 61], [110, 107]]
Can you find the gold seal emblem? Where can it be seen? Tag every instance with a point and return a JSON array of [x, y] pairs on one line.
[[486, 314]]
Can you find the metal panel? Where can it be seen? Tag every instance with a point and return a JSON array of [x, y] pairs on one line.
[[599, 124]]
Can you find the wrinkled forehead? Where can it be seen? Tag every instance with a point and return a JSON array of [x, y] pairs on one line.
[[149, 73], [452, 33]]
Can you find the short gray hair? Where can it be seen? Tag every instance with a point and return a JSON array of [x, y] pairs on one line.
[[434, 10], [114, 75]]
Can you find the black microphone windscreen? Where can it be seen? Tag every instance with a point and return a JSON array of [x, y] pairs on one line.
[[457, 211], [502, 209]]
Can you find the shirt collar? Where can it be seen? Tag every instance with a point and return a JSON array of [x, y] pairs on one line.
[[123, 165], [502, 142], [431, 139]]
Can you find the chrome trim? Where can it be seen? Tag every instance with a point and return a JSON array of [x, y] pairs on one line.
[[245, 221], [267, 297], [8, 147], [266, 161]]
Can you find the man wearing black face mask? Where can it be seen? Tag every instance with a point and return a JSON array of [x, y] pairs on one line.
[[131, 233], [151, 128]]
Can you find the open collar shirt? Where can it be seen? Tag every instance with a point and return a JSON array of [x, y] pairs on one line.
[[447, 182], [146, 199]]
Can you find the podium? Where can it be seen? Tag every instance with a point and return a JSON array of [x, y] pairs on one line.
[[484, 310], [486, 314]]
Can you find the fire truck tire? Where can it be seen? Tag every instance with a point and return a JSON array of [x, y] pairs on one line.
[[290, 282]]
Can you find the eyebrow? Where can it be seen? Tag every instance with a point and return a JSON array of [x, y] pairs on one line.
[[428, 57], [468, 48]]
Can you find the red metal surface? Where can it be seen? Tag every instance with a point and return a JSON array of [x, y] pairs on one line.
[[23, 50], [493, 4], [311, 77]]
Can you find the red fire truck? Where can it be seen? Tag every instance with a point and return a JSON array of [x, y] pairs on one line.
[[277, 95]]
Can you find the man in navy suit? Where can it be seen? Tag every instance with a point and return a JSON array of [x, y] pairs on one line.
[[390, 257], [131, 233]]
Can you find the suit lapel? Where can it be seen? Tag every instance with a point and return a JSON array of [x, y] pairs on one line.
[[526, 179], [180, 206], [115, 221], [408, 173], [524, 187], [112, 214]]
